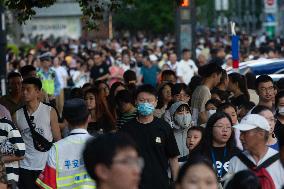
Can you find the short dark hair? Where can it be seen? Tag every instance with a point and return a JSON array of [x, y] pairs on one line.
[[102, 150], [76, 93], [223, 95], [185, 50], [192, 161], [26, 70], [34, 81], [129, 75], [245, 179], [215, 102], [224, 76], [250, 78], [178, 87], [14, 74], [279, 95], [168, 72], [259, 108], [226, 105], [147, 88], [263, 79], [248, 105], [75, 112], [123, 96], [208, 69]]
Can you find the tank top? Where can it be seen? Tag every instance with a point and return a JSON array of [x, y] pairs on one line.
[[34, 160]]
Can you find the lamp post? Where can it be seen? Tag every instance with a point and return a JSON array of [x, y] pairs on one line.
[[3, 42]]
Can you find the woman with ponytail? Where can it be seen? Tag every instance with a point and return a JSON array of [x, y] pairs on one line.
[[238, 86]]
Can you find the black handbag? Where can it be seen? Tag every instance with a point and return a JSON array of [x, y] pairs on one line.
[[40, 143]]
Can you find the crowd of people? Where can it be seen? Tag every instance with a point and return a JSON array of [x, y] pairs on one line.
[[127, 113]]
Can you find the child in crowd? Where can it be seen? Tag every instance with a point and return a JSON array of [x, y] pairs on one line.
[[193, 141], [211, 106]]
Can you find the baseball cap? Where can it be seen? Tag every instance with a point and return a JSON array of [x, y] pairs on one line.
[[253, 121]]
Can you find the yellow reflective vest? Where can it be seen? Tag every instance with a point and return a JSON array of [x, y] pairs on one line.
[[70, 169]]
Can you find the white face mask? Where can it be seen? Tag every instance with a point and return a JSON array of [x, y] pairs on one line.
[[281, 110], [210, 112], [183, 120]]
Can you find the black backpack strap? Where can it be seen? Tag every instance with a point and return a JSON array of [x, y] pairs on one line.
[[269, 161], [28, 119], [246, 161]]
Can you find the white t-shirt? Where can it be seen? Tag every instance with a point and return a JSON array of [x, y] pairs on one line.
[[61, 75], [34, 159], [172, 67], [186, 70], [80, 79], [275, 170]]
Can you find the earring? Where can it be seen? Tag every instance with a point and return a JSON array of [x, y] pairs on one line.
[[273, 135]]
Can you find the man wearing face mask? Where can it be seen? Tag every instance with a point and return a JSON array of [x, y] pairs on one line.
[[155, 141], [180, 122]]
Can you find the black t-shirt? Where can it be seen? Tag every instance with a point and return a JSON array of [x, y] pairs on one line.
[[279, 128], [222, 162], [102, 125], [98, 71], [156, 144]]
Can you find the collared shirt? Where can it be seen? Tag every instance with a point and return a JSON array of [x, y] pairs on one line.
[[275, 170], [186, 70]]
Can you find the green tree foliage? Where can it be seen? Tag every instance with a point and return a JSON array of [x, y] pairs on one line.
[[155, 16], [92, 10]]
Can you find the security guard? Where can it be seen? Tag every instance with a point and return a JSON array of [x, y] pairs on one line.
[[65, 166], [48, 77]]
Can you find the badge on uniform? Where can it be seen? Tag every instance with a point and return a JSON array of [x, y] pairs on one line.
[[158, 140]]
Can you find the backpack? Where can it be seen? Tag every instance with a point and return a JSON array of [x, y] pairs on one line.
[[260, 171]]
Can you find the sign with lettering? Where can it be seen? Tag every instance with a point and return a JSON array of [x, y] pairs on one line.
[[58, 27]]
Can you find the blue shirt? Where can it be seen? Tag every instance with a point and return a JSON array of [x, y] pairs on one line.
[[275, 146], [150, 74]]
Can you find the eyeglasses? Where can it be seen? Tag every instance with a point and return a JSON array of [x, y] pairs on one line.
[[223, 127], [269, 89], [131, 162]]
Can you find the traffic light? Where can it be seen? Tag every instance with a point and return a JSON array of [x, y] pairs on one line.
[[184, 3]]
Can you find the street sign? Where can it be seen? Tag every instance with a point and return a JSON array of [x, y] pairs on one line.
[[221, 5], [270, 6]]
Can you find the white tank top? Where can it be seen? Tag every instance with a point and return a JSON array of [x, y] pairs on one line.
[[34, 160]]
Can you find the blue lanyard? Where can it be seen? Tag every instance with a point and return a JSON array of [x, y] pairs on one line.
[[215, 165]]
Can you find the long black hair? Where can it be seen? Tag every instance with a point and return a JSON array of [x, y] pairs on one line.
[[241, 81], [161, 99], [208, 135]]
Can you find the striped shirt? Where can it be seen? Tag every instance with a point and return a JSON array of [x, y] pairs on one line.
[[124, 118], [11, 143]]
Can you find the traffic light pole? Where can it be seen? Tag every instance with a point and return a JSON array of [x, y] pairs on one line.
[[3, 42], [185, 27]]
